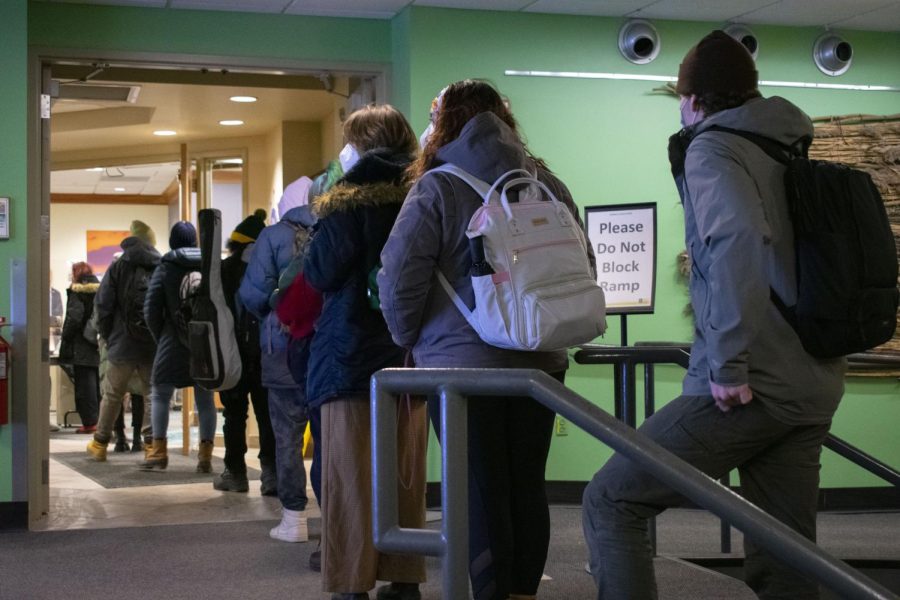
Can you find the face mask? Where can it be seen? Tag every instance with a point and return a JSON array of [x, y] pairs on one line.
[[348, 157], [689, 116], [423, 139]]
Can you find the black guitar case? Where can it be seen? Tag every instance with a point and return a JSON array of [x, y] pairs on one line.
[[215, 359]]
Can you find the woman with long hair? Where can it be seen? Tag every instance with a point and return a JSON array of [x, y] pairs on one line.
[[79, 346], [351, 342], [509, 437]]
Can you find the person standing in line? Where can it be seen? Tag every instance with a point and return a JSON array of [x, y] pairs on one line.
[[171, 369], [120, 322], [752, 398], [78, 347], [272, 253], [509, 437], [234, 401], [350, 344]]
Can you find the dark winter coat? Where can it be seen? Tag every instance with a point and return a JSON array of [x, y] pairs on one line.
[[77, 347], [272, 253], [355, 218], [122, 348], [246, 324], [173, 358], [430, 233]]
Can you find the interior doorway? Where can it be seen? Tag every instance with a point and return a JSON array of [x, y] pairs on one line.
[[156, 143]]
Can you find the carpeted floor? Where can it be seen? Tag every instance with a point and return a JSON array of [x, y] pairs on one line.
[[226, 561], [120, 469]]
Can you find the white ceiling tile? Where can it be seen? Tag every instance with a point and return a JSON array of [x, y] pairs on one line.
[[700, 10], [596, 8], [512, 5], [801, 13], [372, 9], [883, 19], [259, 6]]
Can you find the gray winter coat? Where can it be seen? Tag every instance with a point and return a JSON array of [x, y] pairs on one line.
[[430, 232], [739, 237], [122, 348]]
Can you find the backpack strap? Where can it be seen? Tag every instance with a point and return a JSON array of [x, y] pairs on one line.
[[457, 301], [482, 188], [777, 151]]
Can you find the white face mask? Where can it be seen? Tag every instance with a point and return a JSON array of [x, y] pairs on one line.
[[426, 135], [689, 115], [348, 157]]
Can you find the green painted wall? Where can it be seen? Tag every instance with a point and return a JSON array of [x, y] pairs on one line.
[[13, 174], [607, 141], [211, 33]]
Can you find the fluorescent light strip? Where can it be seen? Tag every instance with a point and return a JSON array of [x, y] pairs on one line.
[[665, 79]]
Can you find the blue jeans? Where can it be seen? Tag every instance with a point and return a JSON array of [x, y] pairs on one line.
[[779, 469], [161, 395], [287, 411]]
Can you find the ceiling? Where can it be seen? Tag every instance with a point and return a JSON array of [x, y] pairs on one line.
[[878, 15], [192, 111], [144, 180]]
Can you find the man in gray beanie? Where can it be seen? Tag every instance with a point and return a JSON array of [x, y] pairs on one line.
[[752, 398]]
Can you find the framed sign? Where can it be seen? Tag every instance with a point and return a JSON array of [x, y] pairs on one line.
[[623, 237]]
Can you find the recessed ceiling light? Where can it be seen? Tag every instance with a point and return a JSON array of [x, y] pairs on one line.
[[232, 161], [243, 98], [231, 122], [95, 169], [164, 132], [119, 189]]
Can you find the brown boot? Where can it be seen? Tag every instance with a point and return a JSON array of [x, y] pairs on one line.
[[157, 457], [204, 457]]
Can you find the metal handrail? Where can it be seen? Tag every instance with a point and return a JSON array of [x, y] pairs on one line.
[[454, 386]]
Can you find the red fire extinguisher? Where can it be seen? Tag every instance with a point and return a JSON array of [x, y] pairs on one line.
[[4, 377]]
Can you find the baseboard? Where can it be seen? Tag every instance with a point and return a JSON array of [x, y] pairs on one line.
[[830, 499], [13, 515]]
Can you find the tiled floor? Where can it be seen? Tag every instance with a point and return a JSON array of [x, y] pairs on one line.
[[77, 502]]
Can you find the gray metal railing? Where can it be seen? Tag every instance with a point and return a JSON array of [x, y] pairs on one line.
[[453, 386]]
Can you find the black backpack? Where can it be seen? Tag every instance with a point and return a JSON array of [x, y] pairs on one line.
[[847, 293], [135, 292]]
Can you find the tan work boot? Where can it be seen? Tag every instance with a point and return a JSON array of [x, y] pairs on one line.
[[97, 450], [204, 457], [157, 457]]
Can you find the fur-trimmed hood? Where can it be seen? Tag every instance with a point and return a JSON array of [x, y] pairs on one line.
[[376, 179], [346, 196], [85, 288]]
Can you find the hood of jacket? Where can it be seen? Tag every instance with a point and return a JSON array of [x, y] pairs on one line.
[[774, 118], [486, 147], [377, 179], [300, 215], [187, 258], [87, 287], [139, 252]]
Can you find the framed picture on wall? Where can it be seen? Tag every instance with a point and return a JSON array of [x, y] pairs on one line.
[[623, 237], [102, 247]]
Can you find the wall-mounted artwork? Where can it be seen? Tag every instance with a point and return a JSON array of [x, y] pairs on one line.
[[102, 246]]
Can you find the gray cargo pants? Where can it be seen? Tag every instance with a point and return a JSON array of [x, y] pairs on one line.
[[779, 471]]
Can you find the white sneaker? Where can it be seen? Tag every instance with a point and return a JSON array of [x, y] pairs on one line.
[[292, 528]]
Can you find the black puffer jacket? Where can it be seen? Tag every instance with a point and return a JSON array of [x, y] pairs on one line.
[[111, 296], [76, 348], [172, 363], [355, 218]]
